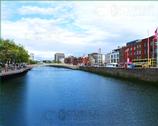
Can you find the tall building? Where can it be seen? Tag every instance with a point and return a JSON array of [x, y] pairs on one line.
[[59, 57], [31, 56]]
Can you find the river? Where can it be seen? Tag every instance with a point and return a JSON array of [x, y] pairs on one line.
[[48, 96]]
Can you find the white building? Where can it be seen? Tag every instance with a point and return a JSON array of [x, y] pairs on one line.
[[59, 57], [31, 56], [112, 58], [103, 59], [96, 59], [107, 58]]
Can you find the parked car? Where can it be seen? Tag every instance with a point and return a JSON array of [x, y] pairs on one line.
[[130, 66], [113, 65]]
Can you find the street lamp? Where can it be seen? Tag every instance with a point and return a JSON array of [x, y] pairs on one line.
[[157, 54]]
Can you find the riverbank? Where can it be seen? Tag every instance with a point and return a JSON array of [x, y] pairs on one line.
[[12, 73], [68, 66], [149, 75], [144, 75]]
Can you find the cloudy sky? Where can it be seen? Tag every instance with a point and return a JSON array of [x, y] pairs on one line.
[[76, 27]]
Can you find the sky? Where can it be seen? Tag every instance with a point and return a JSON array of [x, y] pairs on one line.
[[76, 27]]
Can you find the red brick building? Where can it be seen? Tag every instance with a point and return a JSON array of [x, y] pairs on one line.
[[137, 50], [77, 61]]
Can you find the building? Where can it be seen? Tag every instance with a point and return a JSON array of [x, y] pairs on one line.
[[59, 57], [82, 61], [95, 59], [31, 56], [137, 52], [107, 58], [103, 59], [114, 56], [85, 61], [71, 60]]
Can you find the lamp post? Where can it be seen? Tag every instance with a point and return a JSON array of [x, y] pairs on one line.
[[156, 38], [157, 54], [148, 48]]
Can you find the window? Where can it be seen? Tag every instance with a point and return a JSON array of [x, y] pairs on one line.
[[139, 52], [114, 60], [117, 55]]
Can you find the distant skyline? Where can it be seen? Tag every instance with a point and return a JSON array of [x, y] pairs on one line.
[[76, 27]]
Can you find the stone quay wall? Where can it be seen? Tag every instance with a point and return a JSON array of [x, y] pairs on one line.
[[148, 74]]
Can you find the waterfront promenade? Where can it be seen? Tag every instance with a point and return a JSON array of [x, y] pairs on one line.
[[29, 67], [15, 72]]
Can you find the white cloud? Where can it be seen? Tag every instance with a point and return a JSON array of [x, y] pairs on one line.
[[134, 16], [48, 31], [25, 10], [43, 54], [102, 23]]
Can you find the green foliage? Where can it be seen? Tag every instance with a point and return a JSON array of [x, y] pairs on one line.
[[56, 61], [11, 52], [33, 62]]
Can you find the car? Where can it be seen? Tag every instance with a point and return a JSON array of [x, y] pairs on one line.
[[130, 66], [112, 65]]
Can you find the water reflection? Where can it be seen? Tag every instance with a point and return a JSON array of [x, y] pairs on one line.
[[49, 96], [13, 102]]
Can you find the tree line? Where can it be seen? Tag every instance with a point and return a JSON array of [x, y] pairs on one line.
[[10, 52]]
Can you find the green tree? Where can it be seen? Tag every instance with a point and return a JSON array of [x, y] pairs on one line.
[[11, 52]]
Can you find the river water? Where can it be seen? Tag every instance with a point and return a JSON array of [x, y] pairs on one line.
[[48, 96]]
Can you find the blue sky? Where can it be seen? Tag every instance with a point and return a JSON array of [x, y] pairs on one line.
[[76, 27]]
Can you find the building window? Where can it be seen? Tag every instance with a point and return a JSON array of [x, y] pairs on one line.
[[117, 55], [114, 60], [117, 60], [139, 52]]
